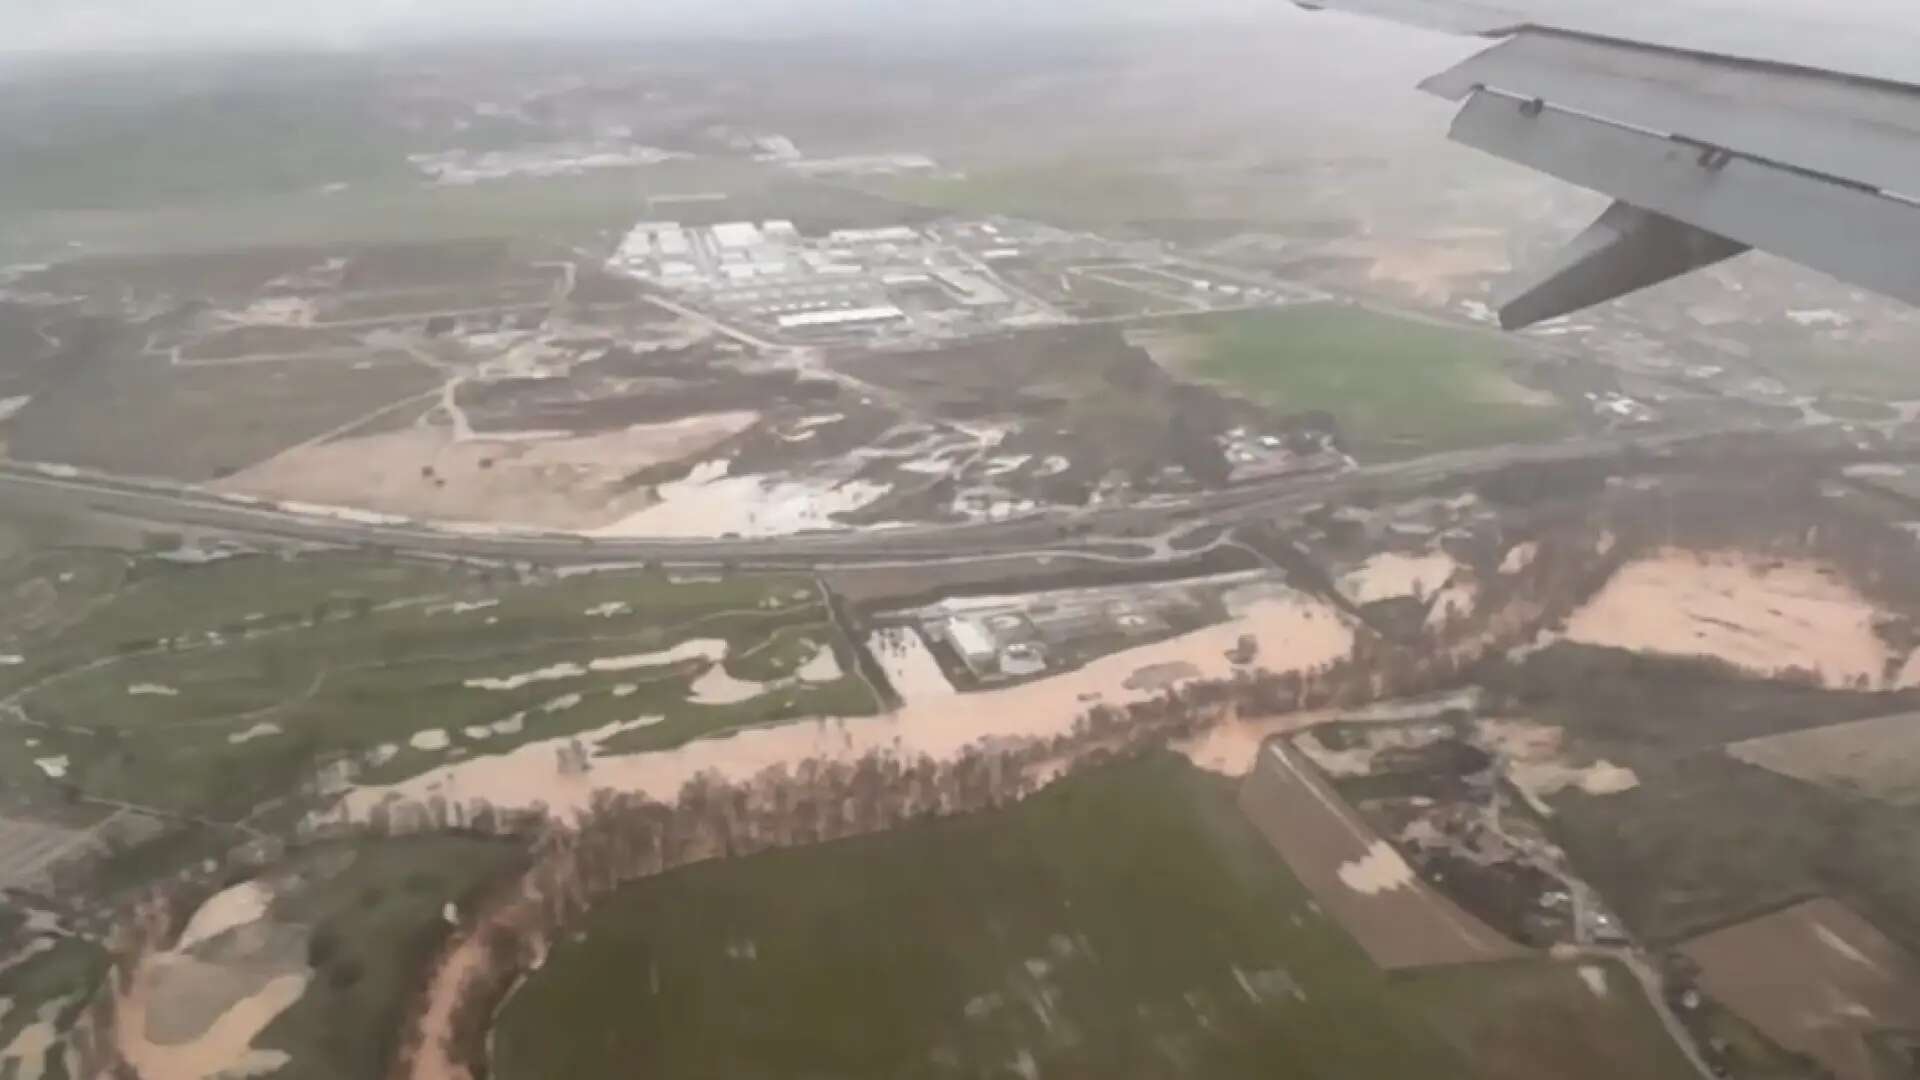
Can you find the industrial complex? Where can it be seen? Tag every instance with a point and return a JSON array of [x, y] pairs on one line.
[[898, 283]]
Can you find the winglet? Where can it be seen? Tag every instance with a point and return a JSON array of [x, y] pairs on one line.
[[1625, 250]]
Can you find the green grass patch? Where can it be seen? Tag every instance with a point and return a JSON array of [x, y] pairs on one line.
[[376, 915], [1124, 923], [1398, 387], [1528, 1019]]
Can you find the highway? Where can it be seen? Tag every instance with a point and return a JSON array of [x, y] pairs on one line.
[[1094, 532]]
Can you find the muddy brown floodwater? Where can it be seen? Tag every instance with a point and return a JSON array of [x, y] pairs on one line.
[[1295, 633], [1762, 615]]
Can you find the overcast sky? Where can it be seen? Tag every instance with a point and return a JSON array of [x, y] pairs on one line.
[[1830, 26], [68, 25]]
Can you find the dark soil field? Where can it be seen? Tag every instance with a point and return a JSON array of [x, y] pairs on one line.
[[1816, 978]]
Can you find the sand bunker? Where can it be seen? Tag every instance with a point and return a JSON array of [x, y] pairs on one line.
[[430, 740], [560, 482], [710, 649], [1764, 616], [1295, 632], [261, 730], [716, 687], [1391, 575]]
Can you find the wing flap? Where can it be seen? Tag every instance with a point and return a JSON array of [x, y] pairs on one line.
[[1855, 129], [1850, 232]]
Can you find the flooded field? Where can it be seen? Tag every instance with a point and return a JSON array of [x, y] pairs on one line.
[[1766, 616], [1294, 633], [909, 664], [196, 1010], [1391, 575]]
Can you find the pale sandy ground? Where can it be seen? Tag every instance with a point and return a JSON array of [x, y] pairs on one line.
[[1295, 633], [710, 502], [565, 482], [1392, 574], [1758, 614], [1877, 757]]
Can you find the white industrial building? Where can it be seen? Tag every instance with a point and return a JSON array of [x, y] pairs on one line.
[[841, 317], [971, 640], [736, 235]]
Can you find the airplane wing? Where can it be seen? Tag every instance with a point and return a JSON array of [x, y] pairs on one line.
[[1712, 138]]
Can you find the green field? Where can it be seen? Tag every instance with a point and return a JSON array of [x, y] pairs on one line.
[[1128, 922], [1511, 1018], [1397, 387], [215, 689]]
